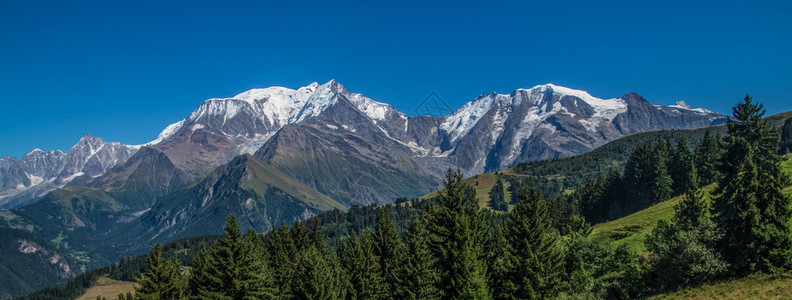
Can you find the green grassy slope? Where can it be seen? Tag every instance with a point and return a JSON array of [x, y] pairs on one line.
[[760, 286], [632, 229], [262, 176]]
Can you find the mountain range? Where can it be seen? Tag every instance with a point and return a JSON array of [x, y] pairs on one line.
[[278, 155], [344, 145]]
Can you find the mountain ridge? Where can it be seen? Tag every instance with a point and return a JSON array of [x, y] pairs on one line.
[[489, 133]]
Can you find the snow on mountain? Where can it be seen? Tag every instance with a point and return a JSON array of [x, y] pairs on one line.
[[685, 106], [39, 172], [489, 133]]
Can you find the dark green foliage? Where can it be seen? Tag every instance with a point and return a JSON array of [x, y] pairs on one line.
[[534, 256], [362, 267], [25, 272], [163, 281], [126, 269], [233, 268], [646, 180], [750, 210], [684, 248], [457, 238], [498, 198], [420, 277], [679, 163], [318, 276], [283, 259], [785, 145], [591, 201], [554, 176], [391, 251], [708, 156]]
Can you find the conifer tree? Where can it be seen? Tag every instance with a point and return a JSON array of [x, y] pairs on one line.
[[283, 259], [679, 166], [751, 210], [685, 247], [318, 277], [535, 259], [362, 267], [498, 198], [391, 251], [646, 178], [164, 280], [420, 278], [457, 237], [708, 156], [235, 267], [591, 199], [300, 236], [785, 146]]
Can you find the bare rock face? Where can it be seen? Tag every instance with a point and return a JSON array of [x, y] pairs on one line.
[[39, 172], [354, 148]]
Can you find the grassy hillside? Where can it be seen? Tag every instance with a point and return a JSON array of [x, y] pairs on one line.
[[632, 229], [108, 288], [262, 176], [753, 287]]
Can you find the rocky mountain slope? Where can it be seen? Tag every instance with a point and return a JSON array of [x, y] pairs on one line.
[[39, 172], [321, 130]]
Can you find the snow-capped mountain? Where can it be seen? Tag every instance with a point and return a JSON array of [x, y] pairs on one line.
[[307, 130], [39, 172]]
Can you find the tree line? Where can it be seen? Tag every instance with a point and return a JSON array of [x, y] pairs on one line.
[[451, 248]]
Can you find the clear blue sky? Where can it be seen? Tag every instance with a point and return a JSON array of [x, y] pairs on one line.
[[123, 70]]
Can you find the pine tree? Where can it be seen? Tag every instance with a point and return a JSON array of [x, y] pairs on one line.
[[163, 281], [391, 251], [284, 259], [679, 166], [318, 277], [534, 256], [420, 278], [235, 267], [646, 178], [300, 236], [498, 198], [708, 156], [751, 210], [591, 199], [685, 247], [362, 267], [457, 237], [785, 146]]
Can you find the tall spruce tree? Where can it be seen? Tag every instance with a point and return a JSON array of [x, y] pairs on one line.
[[498, 198], [685, 247], [535, 259], [164, 280], [318, 277], [362, 267], [591, 200], [283, 259], [391, 251], [751, 210], [679, 165], [708, 156], [646, 178], [785, 146], [457, 238], [234, 268], [420, 277]]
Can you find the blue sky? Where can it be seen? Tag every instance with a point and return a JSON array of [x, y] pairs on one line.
[[123, 70]]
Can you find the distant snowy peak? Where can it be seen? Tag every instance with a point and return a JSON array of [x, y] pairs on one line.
[[684, 105], [459, 123], [278, 106]]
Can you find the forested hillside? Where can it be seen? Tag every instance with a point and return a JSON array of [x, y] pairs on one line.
[[661, 225]]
